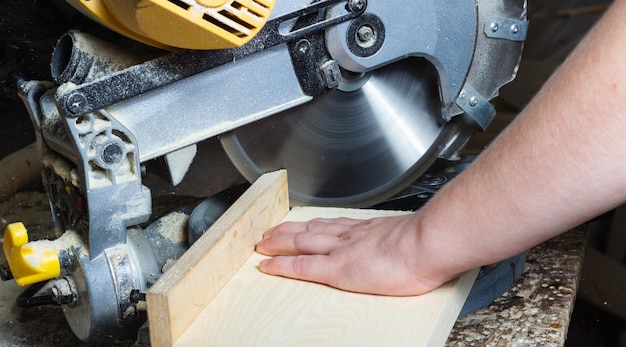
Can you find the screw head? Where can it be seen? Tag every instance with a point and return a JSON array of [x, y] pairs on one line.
[[303, 47], [357, 5], [75, 103]]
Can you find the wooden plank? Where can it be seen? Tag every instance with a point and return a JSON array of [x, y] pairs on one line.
[[183, 291], [255, 309]]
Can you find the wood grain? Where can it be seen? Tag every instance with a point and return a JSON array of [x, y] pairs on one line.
[[255, 309], [188, 287]]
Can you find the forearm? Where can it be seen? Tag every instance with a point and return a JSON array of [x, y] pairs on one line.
[[559, 163]]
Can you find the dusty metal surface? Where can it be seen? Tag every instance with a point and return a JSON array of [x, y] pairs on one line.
[[36, 326]]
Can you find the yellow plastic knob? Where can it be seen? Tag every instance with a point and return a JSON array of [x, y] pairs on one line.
[[30, 262]]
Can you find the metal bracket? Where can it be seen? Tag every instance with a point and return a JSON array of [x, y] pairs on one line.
[[476, 106], [507, 29]]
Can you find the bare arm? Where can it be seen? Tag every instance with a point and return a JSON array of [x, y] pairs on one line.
[[561, 162]]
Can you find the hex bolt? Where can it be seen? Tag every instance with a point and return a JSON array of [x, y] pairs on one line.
[[365, 33], [357, 5], [136, 295], [75, 103], [366, 36], [63, 292]]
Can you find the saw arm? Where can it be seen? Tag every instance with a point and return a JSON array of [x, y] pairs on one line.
[[305, 51]]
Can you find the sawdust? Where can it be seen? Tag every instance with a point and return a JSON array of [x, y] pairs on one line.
[[102, 58], [168, 265], [69, 240], [130, 311], [172, 226], [62, 168], [142, 306]]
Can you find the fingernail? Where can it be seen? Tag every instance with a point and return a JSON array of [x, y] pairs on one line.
[[262, 264]]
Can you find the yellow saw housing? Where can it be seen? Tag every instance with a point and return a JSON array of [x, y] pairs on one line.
[[191, 24]]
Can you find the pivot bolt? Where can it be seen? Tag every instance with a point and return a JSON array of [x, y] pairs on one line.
[[366, 36], [112, 153]]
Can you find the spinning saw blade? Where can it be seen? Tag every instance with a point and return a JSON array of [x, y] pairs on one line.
[[354, 146]]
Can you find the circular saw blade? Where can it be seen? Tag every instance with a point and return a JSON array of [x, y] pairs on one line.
[[354, 146]]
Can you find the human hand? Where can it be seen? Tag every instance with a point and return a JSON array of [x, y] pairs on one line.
[[376, 256]]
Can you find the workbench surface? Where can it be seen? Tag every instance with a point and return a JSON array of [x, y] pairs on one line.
[[535, 312]]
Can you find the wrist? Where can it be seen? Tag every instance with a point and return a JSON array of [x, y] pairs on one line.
[[434, 261]]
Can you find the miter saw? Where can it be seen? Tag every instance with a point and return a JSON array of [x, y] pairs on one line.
[[355, 98]]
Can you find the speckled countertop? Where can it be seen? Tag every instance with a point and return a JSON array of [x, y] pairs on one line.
[[537, 310]]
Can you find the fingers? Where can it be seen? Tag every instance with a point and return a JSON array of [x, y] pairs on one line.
[[313, 268], [319, 225], [297, 244]]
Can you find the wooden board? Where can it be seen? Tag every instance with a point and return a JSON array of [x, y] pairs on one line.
[[254, 309], [186, 289]]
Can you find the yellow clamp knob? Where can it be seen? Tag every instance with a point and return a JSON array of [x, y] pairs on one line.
[[29, 262]]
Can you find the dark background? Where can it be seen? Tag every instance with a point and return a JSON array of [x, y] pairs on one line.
[[29, 30]]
